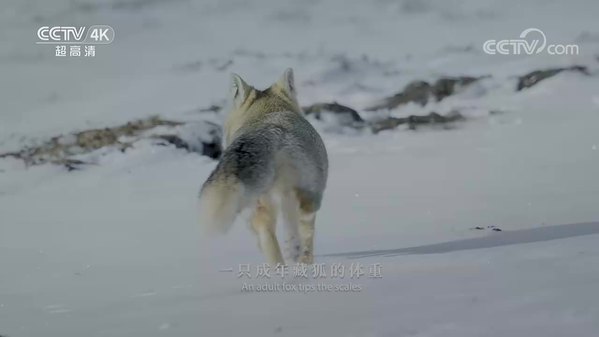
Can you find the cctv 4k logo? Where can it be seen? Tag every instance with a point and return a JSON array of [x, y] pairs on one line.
[[69, 40]]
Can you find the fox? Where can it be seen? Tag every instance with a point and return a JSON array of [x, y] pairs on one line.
[[273, 161]]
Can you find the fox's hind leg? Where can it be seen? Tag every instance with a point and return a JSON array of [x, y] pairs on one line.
[[307, 216], [291, 216], [263, 223], [306, 231]]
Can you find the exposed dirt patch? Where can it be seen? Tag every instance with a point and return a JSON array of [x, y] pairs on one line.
[[62, 149]]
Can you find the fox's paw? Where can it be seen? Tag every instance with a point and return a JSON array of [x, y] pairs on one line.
[[292, 251], [307, 257]]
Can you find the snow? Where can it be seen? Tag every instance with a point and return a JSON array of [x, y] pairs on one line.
[[115, 249]]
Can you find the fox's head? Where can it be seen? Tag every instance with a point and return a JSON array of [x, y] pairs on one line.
[[248, 102]]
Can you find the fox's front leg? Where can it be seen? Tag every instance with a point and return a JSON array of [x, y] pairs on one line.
[[264, 224]]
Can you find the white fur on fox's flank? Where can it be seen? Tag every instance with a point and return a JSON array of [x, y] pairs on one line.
[[271, 151]]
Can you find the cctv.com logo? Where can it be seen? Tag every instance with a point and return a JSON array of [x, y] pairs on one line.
[[535, 44]]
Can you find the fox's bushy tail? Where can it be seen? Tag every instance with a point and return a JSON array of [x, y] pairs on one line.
[[245, 171], [220, 202]]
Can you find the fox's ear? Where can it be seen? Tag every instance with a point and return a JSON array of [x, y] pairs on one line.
[[286, 83], [238, 90]]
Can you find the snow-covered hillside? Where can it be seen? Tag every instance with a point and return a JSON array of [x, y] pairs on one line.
[[485, 228]]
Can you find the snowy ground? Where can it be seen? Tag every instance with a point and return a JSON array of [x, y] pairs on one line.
[[115, 249]]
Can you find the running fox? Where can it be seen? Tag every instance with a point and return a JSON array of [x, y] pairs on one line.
[[273, 159]]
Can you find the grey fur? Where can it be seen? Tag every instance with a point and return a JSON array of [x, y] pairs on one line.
[[261, 146]]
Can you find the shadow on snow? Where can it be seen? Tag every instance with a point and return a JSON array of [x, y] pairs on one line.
[[504, 238]]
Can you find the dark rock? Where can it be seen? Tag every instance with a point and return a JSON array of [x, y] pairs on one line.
[[191, 66], [224, 66], [495, 228], [420, 92], [448, 85], [340, 114], [73, 164], [213, 150], [417, 92], [203, 138], [174, 140], [537, 76], [212, 108], [387, 124], [414, 121]]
